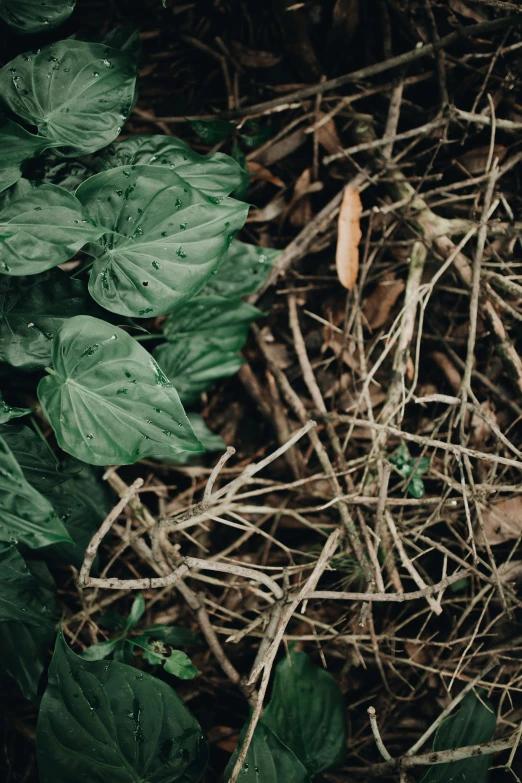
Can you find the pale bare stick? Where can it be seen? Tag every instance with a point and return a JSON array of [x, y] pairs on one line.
[[238, 482], [329, 595], [457, 754], [377, 736], [425, 441], [408, 565], [215, 473], [94, 543], [268, 661]]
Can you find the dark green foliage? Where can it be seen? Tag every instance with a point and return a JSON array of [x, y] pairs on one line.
[[101, 716], [27, 619], [409, 466], [108, 400], [268, 760], [473, 723], [307, 713], [32, 309], [33, 16]]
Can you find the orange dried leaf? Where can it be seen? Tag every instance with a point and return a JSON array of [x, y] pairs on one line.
[[259, 172], [349, 236]]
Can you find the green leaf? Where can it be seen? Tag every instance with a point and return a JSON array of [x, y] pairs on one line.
[[196, 365], [32, 309], [97, 652], [27, 622], [180, 666], [212, 131], [78, 94], [102, 720], [163, 239], [41, 226], [254, 134], [218, 318], [174, 661], [176, 637], [33, 455], [8, 412], [268, 760], [307, 713], [108, 401], [215, 175], [82, 503], [136, 612], [113, 621], [26, 515], [16, 146], [208, 439], [33, 16], [243, 271], [473, 724], [416, 486], [242, 189], [204, 336]]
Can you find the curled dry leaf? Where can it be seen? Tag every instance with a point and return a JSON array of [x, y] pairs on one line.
[[281, 149], [462, 8], [503, 521], [254, 58], [269, 212], [381, 301], [476, 160], [349, 236], [327, 135], [259, 172]]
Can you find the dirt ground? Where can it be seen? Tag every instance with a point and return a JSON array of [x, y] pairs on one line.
[[415, 105]]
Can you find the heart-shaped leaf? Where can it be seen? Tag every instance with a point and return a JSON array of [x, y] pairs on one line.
[[41, 226], [108, 401], [32, 310], [25, 514], [32, 16], [27, 621], [103, 720], [16, 146], [163, 239], [34, 457], [473, 723], [78, 94], [216, 174], [307, 713], [243, 271], [268, 760], [204, 336], [8, 412]]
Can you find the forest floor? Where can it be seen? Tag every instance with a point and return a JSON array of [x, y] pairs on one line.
[[419, 111]]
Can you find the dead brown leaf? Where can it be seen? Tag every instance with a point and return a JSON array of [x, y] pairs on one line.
[[503, 521], [417, 652], [475, 160], [254, 58], [464, 10], [349, 236], [300, 207], [269, 212], [281, 149], [259, 172], [381, 301], [327, 135]]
